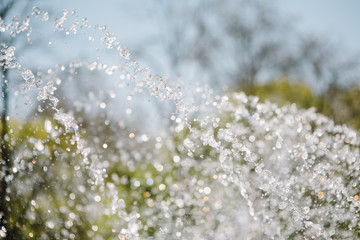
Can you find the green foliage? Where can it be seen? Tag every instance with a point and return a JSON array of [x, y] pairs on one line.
[[42, 178], [343, 106], [165, 179], [283, 91]]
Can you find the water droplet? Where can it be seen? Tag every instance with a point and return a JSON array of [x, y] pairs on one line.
[[321, 195], [207, 190], [102, 105], [97, 198], [162, 187], [45, 16], [356, 197], [306, 210], [149, 181]]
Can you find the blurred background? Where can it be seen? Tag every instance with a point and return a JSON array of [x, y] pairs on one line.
[[301, 52], [286, 51]]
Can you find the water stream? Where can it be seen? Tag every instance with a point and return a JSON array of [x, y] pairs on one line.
[[90, 161]]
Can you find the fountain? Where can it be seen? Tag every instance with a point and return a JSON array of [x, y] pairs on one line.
[[225, 167]]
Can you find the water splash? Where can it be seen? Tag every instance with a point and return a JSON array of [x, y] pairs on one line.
[[227, 168]]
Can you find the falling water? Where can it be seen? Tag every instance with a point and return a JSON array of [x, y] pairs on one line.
[[226, 167]]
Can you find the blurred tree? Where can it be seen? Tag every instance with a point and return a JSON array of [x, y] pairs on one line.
[[250, 42], [344, 106], [326, 67], [7, 8], [254, 41], [186, 39], [42, 172], [238, 40], [283, 91]]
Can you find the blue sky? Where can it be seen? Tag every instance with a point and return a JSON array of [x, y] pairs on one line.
[[137, 25], [135, 22], [337, 20]]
